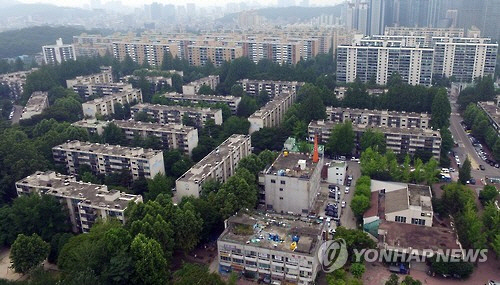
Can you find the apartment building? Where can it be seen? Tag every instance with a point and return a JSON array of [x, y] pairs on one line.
[[281, 248], [399, 140], [426, 32], [199, 55], [378, 59], [15, 81], [465, 58], [291, 183], [58, 53], [85, 202], [150, 51], [105, 106], [171, 136], [193, 88], [275, 50], [37, 102], [231, 101], [219, 164], [272, 114], [158, 81], [106, 159], [105, 76], [383, 118], [492, 110], [165, 114], [273, 88]]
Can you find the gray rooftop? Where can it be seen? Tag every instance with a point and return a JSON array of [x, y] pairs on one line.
[[330, 109], [288, 165], [219, 98], [271, 105], [386, 130], [493, 111], [278, 82], [134, 125], [254, 229], [37, 101], [161, 108], [107, 149]]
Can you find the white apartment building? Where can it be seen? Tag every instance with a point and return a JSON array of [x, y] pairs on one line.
[[105, 76], [426, 32], [272, 114], [465, 58], [292, 183], [231, 101], [166, 114], [105, 106], [383, 118], [85, 202], [282, 248], [37, 102], [219, 164], [379, 59], [171, 136], [193, 88], [399, 140], [15, 81], [58, 53], [273, 88], [106, 159]]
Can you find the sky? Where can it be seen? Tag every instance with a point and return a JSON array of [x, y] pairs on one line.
[[135, 3]]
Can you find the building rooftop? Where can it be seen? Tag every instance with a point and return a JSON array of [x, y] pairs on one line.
[[292, 164], [401, 235], [492, 109], [108, 98], [158, 107], [177, 96], [273, 231], [131, 124], [202, 81], [107, 149], [386, 130], [37, 102], [66, 186], [246, 80], [420, 195], [270, 106], [204, 167], [330, 109], [400, 196]]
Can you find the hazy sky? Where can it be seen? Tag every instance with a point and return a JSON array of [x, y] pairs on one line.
[[81, 3]]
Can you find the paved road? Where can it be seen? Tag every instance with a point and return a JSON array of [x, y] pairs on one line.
[[347, 219], [18, 110]]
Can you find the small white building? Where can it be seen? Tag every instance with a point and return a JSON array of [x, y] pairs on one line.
[[336, 173]]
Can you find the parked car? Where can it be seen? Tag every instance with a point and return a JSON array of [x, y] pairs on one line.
[[343, 204], [346, 190]]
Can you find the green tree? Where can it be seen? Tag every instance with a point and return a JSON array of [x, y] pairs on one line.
[[247, 106], [160, 184], [441, 110], [489, 193], [357, 269], [393, 280], [359, 205], [237, 90], [167, 62], [150, 267], [464, 172], [300, 130], [341, 140], [194, 274], [112, 134], [205, 90], [188, 225], [410, 281], [28, 252], [470, 227], [374, 139], [177, 83], [142, 116], [236, 125]]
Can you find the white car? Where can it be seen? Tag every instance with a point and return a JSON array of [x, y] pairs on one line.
[[346, 190], [343, 204]]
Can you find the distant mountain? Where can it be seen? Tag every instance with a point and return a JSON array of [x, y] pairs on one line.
[[39, 10], [7, 3], [290, 14]]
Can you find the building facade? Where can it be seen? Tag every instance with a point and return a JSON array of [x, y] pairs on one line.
[[85, 202], [105, 106], [231, 101], [272, 114], [105, 76], [106, 159], [15, 81], [219, 164], [171, 136], [37, 102], [273, 88], [58, 53], [165, 114], [193, 88]]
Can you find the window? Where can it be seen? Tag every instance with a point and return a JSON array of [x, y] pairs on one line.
[[281, 189], [282, 182], [273, 181], [400, 219], [418, 221], [281, 198]]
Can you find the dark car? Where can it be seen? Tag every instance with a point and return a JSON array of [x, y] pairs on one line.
[[482, 167], [348, 183], [472, 181], [331, 195]]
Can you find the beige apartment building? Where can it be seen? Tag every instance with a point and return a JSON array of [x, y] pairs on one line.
[[283, 248], [166, 114], [272, 114], [15, 81], [382, 118], [230, 101], [106, 159], [399, 140], [37, 102], [105, 76], [253, 87], [105, 106], [193, 88], [199, 55], [171, 136], [219, 164], [85, 202]]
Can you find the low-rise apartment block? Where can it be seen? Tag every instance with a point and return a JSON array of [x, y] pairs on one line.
[[85, 202], [106, 159], [192, 88], [172, 136], [383, 118], [105, 106], [15, 81], [273, 88], [166, 114], [291, 183], [399, 140], [105, 76], [281, 248], [219, 164], [492, 110], [231, 101], [90, 91], [37, 102], [272, 114]]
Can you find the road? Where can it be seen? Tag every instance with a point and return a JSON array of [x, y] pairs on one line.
[[18, 110]]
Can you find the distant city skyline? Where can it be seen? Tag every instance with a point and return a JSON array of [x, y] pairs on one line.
[[132, 3]]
